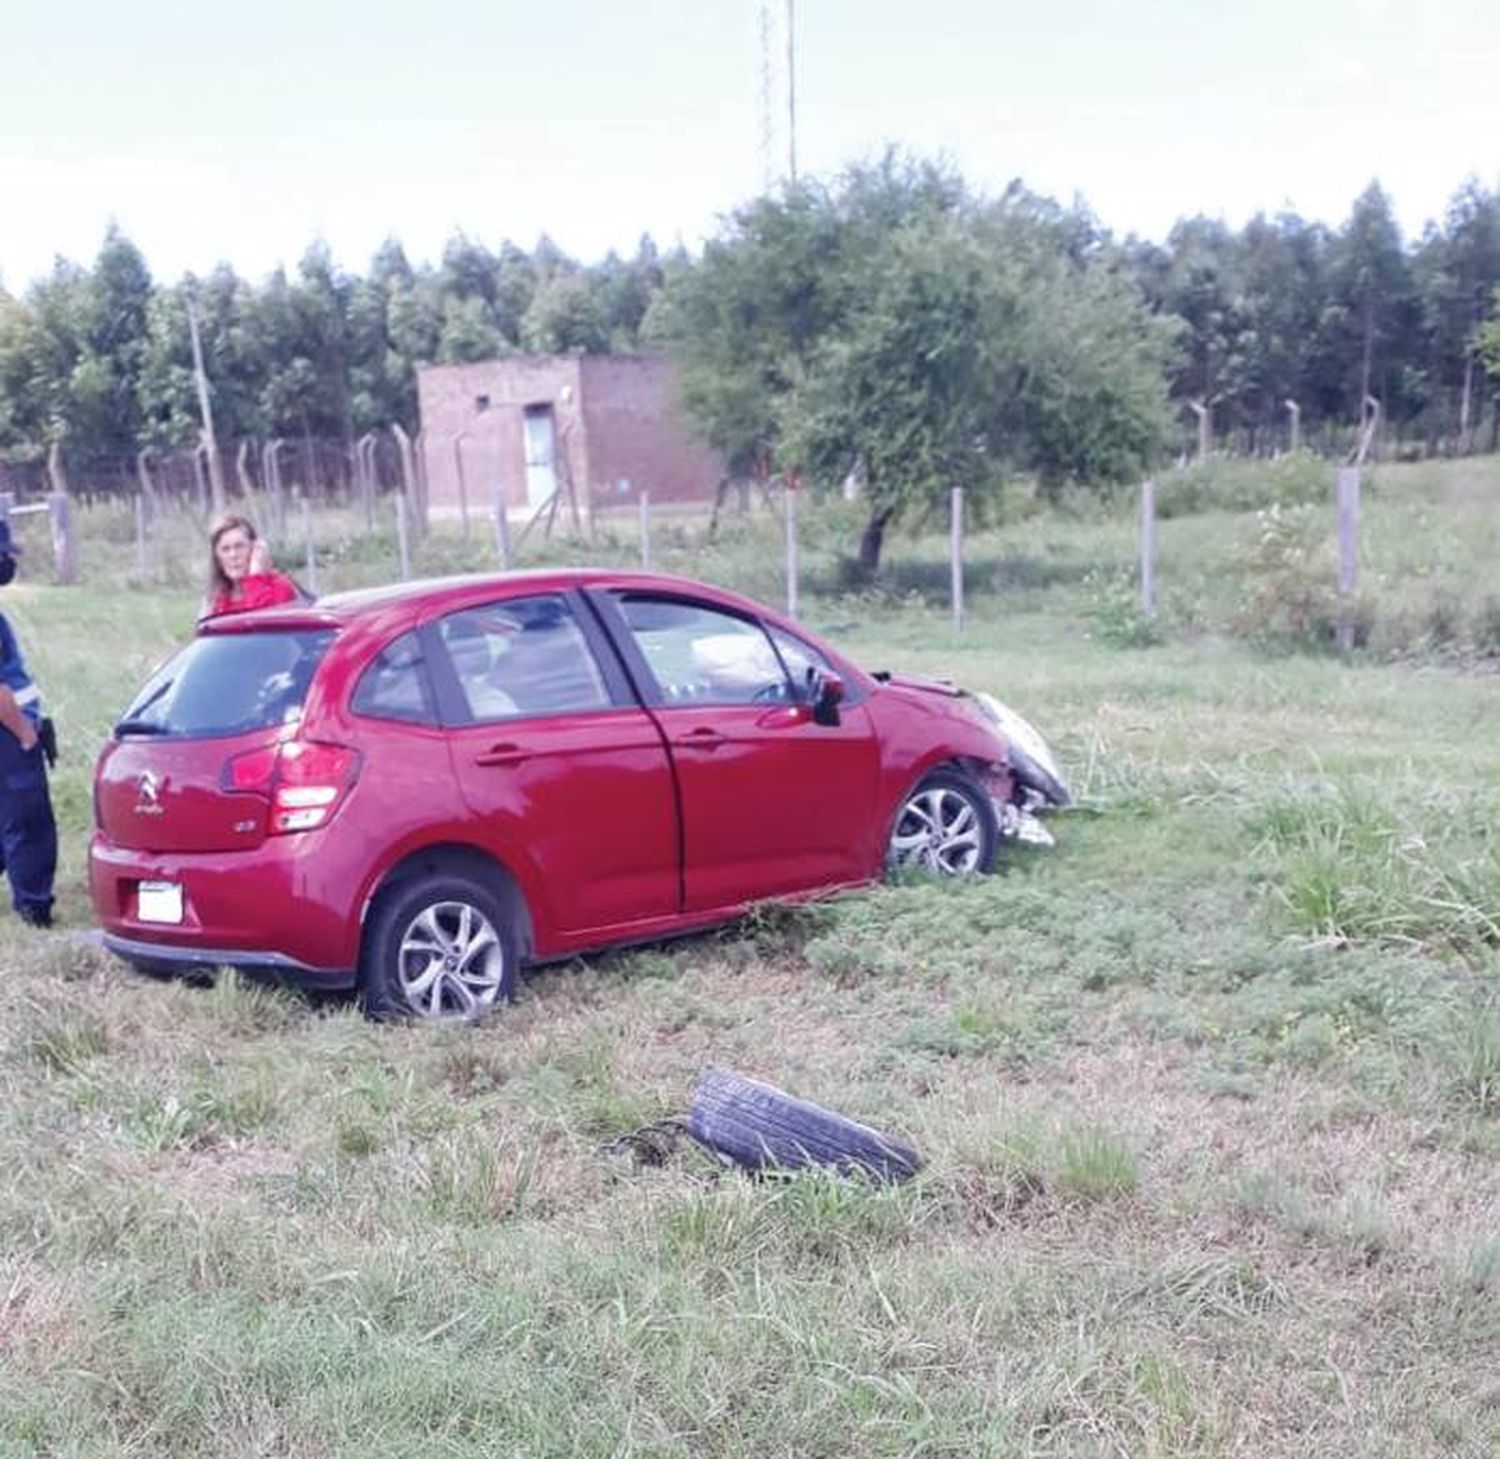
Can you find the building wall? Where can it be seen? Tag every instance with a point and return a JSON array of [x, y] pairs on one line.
[[481, 406], [615, 421], [637, 438]]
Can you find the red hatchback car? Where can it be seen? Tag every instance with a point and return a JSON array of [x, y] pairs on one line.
[[416, 789]]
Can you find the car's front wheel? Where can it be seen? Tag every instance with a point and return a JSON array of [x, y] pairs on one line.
[[946, 826], [440, 946]]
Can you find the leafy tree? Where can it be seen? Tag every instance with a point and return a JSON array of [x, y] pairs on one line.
[[1487, 339], [896, 322]]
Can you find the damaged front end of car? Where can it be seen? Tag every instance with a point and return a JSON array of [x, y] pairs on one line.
[[1037, 784]]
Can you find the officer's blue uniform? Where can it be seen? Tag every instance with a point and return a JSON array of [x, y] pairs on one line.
[[28, 831]]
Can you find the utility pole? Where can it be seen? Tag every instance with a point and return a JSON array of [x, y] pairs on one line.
[[791, 91], [210, 444], [767, 110]]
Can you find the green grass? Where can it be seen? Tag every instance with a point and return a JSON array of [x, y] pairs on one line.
[[1209, 1095]]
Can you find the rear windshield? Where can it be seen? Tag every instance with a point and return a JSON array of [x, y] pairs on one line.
[[227, 684]]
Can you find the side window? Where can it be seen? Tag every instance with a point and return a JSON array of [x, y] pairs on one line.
[[395, 685], [801, 660], [700, 655], [525, 656]]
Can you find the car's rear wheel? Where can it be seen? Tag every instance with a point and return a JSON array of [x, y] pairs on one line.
[[946, 826], [440, 946]]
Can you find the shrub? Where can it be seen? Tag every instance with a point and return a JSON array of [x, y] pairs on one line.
[[1288, 577]]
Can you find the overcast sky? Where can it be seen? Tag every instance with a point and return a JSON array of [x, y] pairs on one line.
[[242, 132]]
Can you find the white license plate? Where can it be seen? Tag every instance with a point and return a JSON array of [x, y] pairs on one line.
[[159, 901]]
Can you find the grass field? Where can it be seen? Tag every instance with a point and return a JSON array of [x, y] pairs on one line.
[[1209, 1095]]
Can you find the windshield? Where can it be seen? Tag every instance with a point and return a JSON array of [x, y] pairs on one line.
[[228, 684]]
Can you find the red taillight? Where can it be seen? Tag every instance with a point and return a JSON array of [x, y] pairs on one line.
[[305, 780]]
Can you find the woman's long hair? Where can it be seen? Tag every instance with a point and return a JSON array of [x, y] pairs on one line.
[[218, 580]]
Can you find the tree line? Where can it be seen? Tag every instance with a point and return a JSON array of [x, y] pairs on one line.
[[891, 322]]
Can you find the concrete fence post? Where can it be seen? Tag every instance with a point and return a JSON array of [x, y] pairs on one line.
[[791, 549], [200, 481], [307, 538], [1203, 410], [956, 555], [1295, 412], [271, 475], [1148, 549], [364, 476], [1348, 531], [502, 529], [64, 547], [403, 537], [140, 537], [463, 485]]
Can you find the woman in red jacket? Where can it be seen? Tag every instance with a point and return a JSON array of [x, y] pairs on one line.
[[240, 573]]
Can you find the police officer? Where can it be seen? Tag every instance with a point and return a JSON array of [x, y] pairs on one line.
[[28, 832]]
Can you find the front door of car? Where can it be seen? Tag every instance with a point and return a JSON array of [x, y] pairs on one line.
[[772, 802], [569, 775]]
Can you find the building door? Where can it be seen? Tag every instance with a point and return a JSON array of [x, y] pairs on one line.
[[541, 445]]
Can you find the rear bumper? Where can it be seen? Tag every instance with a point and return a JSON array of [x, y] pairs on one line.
[[287, 908], [267, 964]]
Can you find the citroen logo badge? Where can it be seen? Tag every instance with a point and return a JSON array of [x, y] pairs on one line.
[[148, 789]]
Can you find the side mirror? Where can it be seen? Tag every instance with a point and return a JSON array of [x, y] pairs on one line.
[[827, 694]]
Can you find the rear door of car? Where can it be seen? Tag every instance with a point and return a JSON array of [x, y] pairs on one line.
[[772, 802], [568, 773]]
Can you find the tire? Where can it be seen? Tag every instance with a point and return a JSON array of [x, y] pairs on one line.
[[759, 1127], [440, 947], [946, 825]]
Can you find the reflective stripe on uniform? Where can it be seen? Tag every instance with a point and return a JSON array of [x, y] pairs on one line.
[[28, 696]]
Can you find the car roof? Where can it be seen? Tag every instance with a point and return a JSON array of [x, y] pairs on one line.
[[416, 598]]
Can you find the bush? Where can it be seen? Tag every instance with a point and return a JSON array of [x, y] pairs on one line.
[[1288, 576]]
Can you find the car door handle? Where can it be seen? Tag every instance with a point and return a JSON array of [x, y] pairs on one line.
[[705, 737], [503, 753]]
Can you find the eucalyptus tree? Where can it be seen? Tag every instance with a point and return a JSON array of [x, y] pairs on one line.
[[1373, 306]]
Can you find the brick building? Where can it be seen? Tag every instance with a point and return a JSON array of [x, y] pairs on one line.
[[608, 426]]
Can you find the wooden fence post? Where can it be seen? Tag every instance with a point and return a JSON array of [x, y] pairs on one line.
[[1295, 412], [1348, 530], [956, 555], [645, 513], [1148, 549]]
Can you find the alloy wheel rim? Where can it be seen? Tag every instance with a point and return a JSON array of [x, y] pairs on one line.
[[450, 963], [938, 830]]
